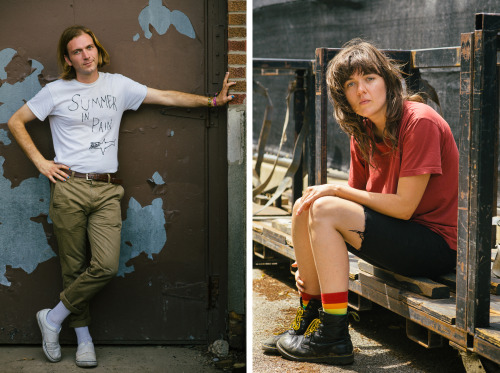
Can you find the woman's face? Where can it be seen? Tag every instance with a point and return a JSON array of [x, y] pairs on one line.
[[367, 96]]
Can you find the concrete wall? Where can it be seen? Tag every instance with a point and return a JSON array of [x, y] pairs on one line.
[[294, 29], [236, 143]]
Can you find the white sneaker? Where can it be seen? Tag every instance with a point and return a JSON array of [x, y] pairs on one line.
[[50, 337], [85, 355]]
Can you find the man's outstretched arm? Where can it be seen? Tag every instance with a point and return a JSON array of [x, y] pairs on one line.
[[17, 126], [181, 99]]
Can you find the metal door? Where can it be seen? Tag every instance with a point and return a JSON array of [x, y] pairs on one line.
[[171, 282]]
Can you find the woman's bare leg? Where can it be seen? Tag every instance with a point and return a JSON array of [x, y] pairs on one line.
[[303, 251], [332, 222]]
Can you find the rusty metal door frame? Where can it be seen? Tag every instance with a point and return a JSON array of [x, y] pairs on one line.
[[216, 168]]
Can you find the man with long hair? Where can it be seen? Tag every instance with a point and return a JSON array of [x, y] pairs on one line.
[[85, 192]]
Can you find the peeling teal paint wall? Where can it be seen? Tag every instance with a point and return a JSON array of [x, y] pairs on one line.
[[161, 18], [23, 243]]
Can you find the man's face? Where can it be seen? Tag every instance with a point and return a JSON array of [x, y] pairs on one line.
[[84, 57]]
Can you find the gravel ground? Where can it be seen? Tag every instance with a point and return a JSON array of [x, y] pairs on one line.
[[379, 338]]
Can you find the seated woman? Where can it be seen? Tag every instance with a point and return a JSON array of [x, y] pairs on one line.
[[399, 211]]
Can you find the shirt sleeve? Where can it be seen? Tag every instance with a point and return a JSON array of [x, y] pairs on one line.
[[421, 149], [42, 104], [357, 169], [135, 93]]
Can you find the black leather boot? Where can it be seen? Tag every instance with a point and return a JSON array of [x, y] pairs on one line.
[[327, 340], [302, 320]]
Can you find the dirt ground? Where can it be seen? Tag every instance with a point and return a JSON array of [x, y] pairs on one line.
[[379, 338]]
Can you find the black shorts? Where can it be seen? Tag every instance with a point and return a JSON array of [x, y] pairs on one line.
[[404, 247]]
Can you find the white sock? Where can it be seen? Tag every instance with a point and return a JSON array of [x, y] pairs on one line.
[[83, 335], [56, 316]]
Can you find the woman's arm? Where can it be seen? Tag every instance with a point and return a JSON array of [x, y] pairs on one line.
[[401, 205]]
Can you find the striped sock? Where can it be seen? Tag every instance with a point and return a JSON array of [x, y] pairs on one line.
[[307, 297], [335, 303]]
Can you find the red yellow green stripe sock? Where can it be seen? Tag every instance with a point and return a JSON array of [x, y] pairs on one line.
[[307, 297], [334, 303]]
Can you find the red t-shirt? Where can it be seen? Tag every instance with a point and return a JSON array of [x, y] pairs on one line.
[[426, 146]]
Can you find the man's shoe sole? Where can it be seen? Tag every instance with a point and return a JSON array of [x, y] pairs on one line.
[[51, 359], [86, 364]]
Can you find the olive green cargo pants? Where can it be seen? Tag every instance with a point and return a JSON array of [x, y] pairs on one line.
[[84, 210]]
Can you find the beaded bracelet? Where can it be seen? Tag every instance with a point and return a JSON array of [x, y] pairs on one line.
[[212, 102]]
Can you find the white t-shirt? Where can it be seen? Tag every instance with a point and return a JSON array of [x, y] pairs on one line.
[[85, 119]]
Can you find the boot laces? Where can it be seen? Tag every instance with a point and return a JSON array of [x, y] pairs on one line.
[[355, 316], [298, 319], [313, 326]]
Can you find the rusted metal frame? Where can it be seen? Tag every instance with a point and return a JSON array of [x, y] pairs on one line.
[[422, 335], [216, 174], [465, 104], [320, 128], [486, 349], [303, 112], [449, 331], [483, 144], [282, 64], [310, 151], [299, 107], [436, 57], [487, 22]]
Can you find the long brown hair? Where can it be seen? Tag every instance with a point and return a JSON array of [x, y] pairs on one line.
[[68, 72], [359, 56]]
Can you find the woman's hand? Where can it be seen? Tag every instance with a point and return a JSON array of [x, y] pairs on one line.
[[298, 281], [312, 193]]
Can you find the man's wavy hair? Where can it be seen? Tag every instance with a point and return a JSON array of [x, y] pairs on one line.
[[359, 56], [68, 72]]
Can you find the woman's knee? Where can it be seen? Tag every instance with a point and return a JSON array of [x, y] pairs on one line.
[[326, 208], [296, 205]]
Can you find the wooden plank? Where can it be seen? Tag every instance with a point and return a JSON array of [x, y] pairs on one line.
[[353, 267], [280, 248], [257, 226], [275, 235], [441, 309], [418, 285], [284, 225], [495, 285], [447, 330], [491, 334], [449, 279], [384, 287]]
